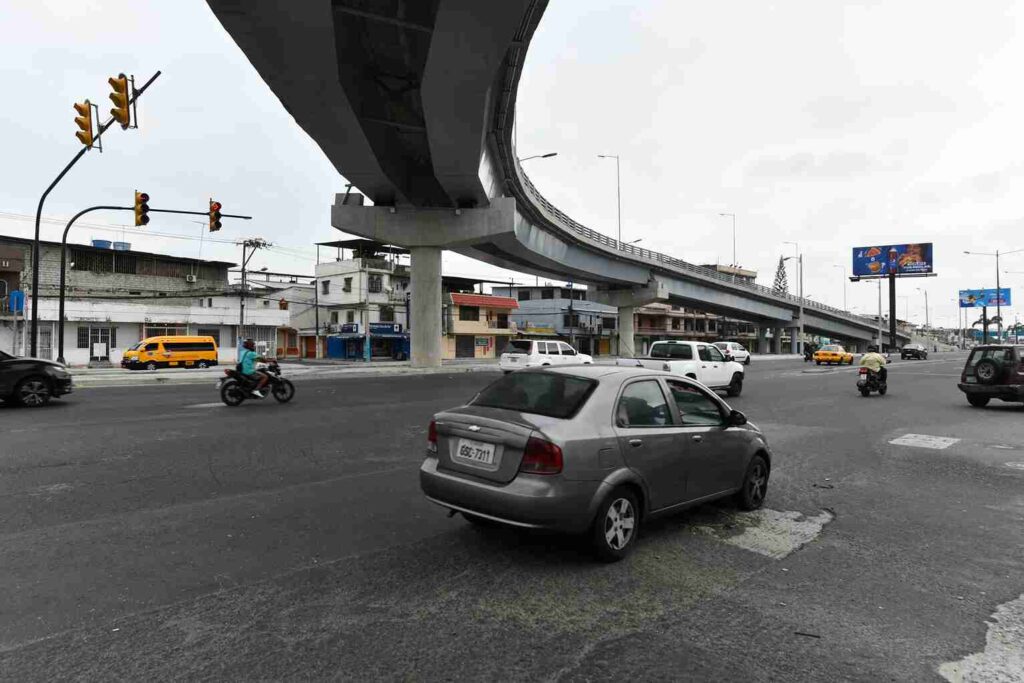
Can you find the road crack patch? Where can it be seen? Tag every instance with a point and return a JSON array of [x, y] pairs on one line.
[[766, 532], [1003, 656]]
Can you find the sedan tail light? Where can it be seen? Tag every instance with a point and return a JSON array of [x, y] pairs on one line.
[[432, 437], [541, 457]]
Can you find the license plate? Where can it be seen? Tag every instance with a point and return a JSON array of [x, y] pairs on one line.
[[513, 360], [971, 380], [475, 451]]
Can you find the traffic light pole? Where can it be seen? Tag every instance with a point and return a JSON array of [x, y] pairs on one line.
[[39, 213], [63, 261]]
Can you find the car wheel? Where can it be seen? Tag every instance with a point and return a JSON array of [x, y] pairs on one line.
[[202, 365], [987, 371], [755, 484], [978, 401], [616, 525], [747, 361], [818, 362], [33, 392], [151, 365], [735, 386]]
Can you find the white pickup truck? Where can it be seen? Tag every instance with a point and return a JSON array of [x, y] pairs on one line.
[[703, 362]]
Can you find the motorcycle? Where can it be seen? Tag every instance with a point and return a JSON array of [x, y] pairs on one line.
[[235, 387], [808, 353], [868, 381]]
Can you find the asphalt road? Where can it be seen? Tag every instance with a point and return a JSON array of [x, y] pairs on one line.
[[149, 533]]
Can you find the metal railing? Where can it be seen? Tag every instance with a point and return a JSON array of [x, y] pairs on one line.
[[670, 262]]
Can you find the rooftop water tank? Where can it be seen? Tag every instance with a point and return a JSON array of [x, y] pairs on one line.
[[101, 244], [122, 246]]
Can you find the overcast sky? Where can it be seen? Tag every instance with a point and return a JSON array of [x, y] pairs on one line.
[[830, 124]]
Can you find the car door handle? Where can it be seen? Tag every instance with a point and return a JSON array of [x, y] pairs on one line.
[[636, 442], [697, 437]]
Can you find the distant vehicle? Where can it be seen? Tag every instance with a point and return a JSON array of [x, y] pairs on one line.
[[533, 353], [593, 450], [833, 353], [868, 381], [993, 371], [737, 351], [171, 352], [235, 388], [32, 382], [696, 360], [918, 351]]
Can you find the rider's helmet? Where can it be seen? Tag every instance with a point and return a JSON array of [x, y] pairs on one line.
[[872, 348], [249, 344]]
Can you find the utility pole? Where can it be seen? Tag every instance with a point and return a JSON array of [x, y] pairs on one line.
[[253, 243]]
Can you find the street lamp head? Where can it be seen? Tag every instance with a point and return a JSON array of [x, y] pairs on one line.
[[549, 155]]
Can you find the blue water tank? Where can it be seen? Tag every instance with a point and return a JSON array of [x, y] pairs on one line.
[[101, 244], [122, 246]]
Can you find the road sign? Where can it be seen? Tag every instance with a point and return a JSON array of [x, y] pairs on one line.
[[16, 300]]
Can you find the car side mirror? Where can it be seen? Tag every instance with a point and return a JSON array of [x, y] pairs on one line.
[[737, 419]]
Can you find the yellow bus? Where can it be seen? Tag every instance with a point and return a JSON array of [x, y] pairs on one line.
[[171, 352]]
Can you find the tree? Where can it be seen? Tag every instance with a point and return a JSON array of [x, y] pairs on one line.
[[781, 285]]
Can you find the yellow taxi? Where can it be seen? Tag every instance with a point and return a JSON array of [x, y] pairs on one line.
[[833, 353]]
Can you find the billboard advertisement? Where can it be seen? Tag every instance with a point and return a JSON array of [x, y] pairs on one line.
[[977, 298], [901, 259]]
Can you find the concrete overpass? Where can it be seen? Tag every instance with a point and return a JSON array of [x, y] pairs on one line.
[[413, 102]]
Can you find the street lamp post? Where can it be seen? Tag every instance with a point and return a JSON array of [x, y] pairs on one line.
[[800, 263], [540, 156], [844, 283], [926, 318], [618, 189], [999, 313]]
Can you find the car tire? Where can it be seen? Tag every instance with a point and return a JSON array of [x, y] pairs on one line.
[[747, 361], [33, 392], [754, 489], [988, 371], [978, 401], [818, 362], [151, 366], [616, 525], [202, 365], [735, 386]]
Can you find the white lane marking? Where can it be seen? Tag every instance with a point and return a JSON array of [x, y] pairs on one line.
[[769, 532], [1016, 465], [924, 441], [218, 404], [1003, 657]]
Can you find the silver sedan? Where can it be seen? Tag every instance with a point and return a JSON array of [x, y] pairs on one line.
[[592, 449]]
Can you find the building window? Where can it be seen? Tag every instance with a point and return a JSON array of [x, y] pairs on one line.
[[547, 294], [387, 314], [334, 317], [566, 294], [163, 331], [502, 322], [348, 285], [350, 316], [524, 295], [201, 302], [608, 323], [675, 323], [83, 336], [571, 320], [579, 295], [469, 313], [209, 303], [266, 303], [376, 284], [325, 286]]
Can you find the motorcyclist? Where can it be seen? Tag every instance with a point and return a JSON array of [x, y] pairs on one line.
[[247, 366], [875, 362]]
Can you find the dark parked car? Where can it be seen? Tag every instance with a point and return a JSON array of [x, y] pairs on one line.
[[994, 371], [592, 449], [917, 351], [32, 382]]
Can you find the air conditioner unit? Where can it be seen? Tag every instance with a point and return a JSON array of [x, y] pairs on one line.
[[190, 278]]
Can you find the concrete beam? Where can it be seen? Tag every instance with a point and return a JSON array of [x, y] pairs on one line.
[[633, 297]]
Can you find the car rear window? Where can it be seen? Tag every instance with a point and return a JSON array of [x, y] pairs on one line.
[[678, 351], [518, 346], [541, 393], [999, 354], [830, 347]]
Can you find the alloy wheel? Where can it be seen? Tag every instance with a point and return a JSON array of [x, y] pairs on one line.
[[757, 483], [34, 392], [619, 523]]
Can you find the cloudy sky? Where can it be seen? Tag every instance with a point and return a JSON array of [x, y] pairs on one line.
[[830, 124]]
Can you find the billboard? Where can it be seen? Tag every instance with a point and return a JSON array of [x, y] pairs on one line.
[[977, 298], [901, 259]]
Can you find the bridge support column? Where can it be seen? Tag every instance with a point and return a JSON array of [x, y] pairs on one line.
[[762, 340], [627, 332], [794, 339], [425, 301], [777, 341]]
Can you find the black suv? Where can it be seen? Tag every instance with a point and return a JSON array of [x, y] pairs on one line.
[[917, 351], [32, 382], [994, 371]]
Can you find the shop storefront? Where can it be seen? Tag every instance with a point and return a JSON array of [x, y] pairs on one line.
[[386, 341]]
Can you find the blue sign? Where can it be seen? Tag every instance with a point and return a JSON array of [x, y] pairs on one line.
[[385, 328], [978, 298], [901, 259], [16, 300], [349, 328]]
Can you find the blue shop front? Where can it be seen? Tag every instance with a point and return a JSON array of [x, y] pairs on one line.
[[384, 341]]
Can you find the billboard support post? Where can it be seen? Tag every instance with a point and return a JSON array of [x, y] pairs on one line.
[[892, 310], [984, 324]]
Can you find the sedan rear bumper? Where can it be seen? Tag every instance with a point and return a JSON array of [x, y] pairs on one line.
[[530, 501]]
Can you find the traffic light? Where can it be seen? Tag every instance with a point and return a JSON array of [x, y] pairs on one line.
[[119, 97], [214, 216], [141, 208], [84, 123]]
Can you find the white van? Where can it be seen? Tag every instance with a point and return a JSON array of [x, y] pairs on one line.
[[532, 353]]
